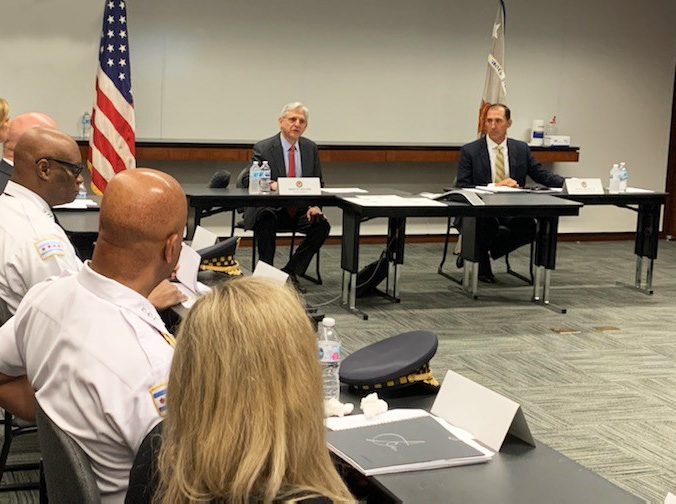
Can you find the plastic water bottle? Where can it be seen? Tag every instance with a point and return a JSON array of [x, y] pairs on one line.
[[550, 131], [624, 177], [264, 180], [254, 177], [614, 182], [86, 125], [82, 192], [328, 343]]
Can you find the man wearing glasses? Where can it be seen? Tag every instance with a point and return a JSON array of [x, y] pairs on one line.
[[47, 172]]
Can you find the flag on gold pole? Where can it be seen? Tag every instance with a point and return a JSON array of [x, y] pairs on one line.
[[495, 90], [112, 146]]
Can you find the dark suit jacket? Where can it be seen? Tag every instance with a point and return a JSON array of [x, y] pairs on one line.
[[6, 170], [474, 166], [271, 150]]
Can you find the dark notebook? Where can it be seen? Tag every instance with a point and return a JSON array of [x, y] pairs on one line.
[[403, 445]]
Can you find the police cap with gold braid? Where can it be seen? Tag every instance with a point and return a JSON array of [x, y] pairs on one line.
[[221, 257], [396, 361]]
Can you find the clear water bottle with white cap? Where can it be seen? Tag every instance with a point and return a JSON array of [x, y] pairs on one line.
[[264, 180], [624, 177], [614, 180], [254, 177], [82, 191], [86, 125], [328, 344]]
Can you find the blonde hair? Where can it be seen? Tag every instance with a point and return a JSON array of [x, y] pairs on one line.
[[4, 111], [245, 403]]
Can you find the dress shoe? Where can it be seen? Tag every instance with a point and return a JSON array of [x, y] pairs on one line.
[[296, 285], [487, 278], [459, 262]]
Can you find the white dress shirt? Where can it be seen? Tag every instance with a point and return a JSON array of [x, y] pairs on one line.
[[32, 246], [98, 356]]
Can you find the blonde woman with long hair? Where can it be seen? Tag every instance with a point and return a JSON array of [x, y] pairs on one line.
[[245, 405], [4, 120]]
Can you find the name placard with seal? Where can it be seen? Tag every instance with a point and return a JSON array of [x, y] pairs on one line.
[[583, 186], [295, 186]]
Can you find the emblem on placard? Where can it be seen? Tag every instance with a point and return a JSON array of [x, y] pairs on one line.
[[299, 184]]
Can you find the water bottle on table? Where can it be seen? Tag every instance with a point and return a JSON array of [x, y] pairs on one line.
[[264, 180], [328, 344], [82, 192], [614, 181], [254, 177], [624, 177], [86, 125]]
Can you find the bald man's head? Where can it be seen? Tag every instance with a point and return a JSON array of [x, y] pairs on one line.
[[143, 213], [48, 162], [22, 123]]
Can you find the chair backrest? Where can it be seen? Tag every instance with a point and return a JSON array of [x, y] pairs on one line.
[[68, 473], [143, 477]]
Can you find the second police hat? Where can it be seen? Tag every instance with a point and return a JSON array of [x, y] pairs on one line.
[[221, 257]]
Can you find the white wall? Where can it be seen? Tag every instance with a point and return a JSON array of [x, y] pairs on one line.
[[370, 70]]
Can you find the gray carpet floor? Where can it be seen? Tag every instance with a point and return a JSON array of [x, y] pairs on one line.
[[605, 395]]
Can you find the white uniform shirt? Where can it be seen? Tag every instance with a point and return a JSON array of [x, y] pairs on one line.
[[32, 246], [97, 355]]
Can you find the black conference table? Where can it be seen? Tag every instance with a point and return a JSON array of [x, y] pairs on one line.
[[648, 206], [545, 209], [517, 474], [204, 202]]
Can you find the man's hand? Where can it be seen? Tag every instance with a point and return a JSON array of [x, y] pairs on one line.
[[273, 185], [509, 182], [17, 396], [165, 295], [314, 214]]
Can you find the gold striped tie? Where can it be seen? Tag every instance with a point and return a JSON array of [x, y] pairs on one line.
[[499, 165]]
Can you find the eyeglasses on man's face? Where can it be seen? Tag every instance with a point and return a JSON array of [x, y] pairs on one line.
[[74, 168]]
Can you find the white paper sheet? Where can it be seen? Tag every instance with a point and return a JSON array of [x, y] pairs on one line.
[[393, 200], [188, 265], [264, 270], [203, 238], [343, 190], [78, 204], [497, 188]]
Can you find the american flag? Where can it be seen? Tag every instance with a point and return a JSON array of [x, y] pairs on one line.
[[495, 90], [111, 144]]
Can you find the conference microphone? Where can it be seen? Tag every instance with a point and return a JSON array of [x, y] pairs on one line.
[[220, 180]]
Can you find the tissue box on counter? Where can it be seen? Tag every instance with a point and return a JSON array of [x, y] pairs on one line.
[[557, 141]]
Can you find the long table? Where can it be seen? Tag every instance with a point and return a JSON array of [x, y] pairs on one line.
[[648, 206], [518, 473], [545, 209]]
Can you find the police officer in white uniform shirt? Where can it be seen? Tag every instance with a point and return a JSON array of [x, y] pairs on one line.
[[33, 247], [91, 345]]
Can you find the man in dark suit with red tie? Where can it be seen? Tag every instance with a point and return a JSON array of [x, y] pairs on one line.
[[494, 158], [289, 155]]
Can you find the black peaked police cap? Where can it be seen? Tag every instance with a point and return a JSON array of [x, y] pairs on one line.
[[394, 362], [221, 257]]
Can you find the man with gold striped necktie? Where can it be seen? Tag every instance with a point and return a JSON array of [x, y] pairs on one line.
[[503, 161]]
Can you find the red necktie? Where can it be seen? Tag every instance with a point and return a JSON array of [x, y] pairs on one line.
[[292, 211], [292, 161]]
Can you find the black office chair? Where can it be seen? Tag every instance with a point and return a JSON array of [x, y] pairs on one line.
[[143, 477], [12, 428], [67, 470], [450, 225], [239, 224]]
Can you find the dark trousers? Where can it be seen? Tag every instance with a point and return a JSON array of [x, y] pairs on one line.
[[499, 236], [272, 220]]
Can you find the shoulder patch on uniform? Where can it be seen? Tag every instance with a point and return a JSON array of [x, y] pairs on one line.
[[50, 246], [159, 395]]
